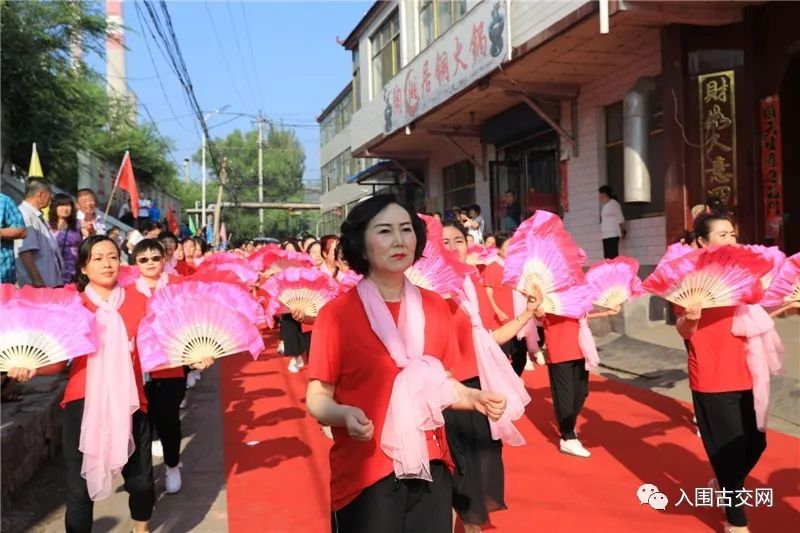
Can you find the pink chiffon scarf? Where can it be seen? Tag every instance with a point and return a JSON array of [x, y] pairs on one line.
[[420, 391], [495, 372], [764, 354], [111, 399], [587, 345], [144, 288]]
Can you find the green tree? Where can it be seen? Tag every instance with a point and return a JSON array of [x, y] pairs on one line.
[[150, 153], [284, 165], [45, 98]]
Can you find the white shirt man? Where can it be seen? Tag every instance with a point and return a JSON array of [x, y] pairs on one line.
[[87, 215], [611, 218]]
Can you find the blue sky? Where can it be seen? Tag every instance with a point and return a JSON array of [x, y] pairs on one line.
[[300, 67]]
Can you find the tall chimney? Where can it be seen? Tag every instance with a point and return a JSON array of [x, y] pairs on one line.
[[116, 76]]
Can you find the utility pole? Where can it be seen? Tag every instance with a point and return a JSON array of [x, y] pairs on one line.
[[186, 170], [223, 180], [203, 181], [260, 173]]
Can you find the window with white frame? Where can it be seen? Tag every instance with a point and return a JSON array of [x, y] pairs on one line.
[[436, 16], [459, 184], [385, 44]]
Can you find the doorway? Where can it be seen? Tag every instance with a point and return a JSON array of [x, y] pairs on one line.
[[790, 133]]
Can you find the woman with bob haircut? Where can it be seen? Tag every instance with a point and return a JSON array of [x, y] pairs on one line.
[[377, 377]]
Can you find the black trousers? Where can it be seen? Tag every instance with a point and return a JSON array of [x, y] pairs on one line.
[[401, 506], [138, 472], [569, 385], [611, 247], [164, 397], [733, 443], [517, 351]]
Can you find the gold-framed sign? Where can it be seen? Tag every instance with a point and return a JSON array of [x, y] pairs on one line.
[[718, 135]]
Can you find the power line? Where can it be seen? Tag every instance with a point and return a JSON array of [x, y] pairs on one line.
[[241, 56], [222, 51], [153, 62], [252, 55]]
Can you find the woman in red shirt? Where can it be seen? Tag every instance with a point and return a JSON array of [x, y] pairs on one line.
[[722, 388], [165, 388], [387, 474], [502, 300], [104, 402], [479, 481]]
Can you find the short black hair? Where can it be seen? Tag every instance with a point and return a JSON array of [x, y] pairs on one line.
[[457, 225], [500, 238], [167, 235], [354, 228], [148, 245], [608, 191], [85, 192], [476, 208], [146, 227], [511, 192]]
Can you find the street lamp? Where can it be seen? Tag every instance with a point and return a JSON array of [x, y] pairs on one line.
[[206, 116]]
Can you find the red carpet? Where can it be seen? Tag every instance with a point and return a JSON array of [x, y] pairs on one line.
[[279, 483]]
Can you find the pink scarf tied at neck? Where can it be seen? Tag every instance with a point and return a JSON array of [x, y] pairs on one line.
[[422, 388], [495, 373], [144, 288], [764, 353], [111, 398]]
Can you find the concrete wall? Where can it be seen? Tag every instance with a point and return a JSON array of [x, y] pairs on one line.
[[646, 237], [531, 17]]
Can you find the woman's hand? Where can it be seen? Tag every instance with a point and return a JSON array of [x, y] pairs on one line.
[[298, 315], [693, 312], [359, 427], [491, 404], [203, 364], [534, 300], [21, 374]]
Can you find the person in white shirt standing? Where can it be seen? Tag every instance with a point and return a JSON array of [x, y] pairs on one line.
[[91, 224], [38, 259], [612, 222], [476, 225]]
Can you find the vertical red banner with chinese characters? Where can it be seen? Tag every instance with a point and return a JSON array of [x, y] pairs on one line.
[[718, 135], [772, 166]]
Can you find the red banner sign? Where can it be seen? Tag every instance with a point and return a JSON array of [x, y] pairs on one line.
[[772, 166]]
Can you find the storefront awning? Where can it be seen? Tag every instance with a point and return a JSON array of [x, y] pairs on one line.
[[381, 173]]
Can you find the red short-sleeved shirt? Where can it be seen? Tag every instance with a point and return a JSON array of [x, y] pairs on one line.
[[718, 358], [466, 367], [132, 310], [346, 353], [184, 269], [561, 337], [168, 373], [503, 297]]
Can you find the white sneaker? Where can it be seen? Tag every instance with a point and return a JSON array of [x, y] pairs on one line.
[[156, 449], [529, 364], [191, 379], [326, 430], [280, 347], [539, 358], [574, 447], [300, 362], [293, 368], [172, 480], [184, 402]]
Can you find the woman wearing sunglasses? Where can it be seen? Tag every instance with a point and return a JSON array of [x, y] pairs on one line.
[[165, 388]]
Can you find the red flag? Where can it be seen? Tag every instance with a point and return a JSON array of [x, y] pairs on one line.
[[171, 222], [127, 182]]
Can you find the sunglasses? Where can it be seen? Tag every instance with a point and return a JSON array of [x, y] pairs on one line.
[[145, 260]]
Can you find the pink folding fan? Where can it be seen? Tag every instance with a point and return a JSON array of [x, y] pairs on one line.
[[785, 286], [719, 276], [615, 281], [272, 257], [305, 289]]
